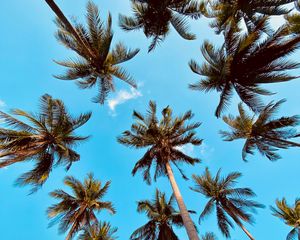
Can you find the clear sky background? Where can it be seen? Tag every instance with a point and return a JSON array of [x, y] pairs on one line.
[[27, 50]]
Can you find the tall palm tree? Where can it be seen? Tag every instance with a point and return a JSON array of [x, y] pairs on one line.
[[101, 65], [229, 201], [290, 215], [77, 210], [156, 16], [264, 133], [209, 236], [162, 217], [99, 231], [47, 138], [164, 140], [229, 13], [244, 62]]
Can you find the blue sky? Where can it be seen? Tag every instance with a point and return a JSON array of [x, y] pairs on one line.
[[28, 48]]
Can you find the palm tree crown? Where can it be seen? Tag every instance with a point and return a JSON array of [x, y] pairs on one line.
[[229, 13], [162, 216], [155, 17], [99, 231], [99, 65], [290, 215], [162, 138], [244, 62], [47, 138], [264, 132], [209, 236], [228, 200], [77, 210]]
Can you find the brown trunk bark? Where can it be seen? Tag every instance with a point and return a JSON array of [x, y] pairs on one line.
[[187, 221], [69, 26], [246, 231]]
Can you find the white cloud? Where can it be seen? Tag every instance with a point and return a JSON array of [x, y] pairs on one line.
[[187, 149], [203, 150], [2, 103], [206, 150], [121, 97]]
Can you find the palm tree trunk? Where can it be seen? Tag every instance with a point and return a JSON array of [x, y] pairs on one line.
[[237, 221], [68, 25], [246, 231], [187, 221]]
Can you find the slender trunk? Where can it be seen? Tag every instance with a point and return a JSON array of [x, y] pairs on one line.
[[69, 26], [187, 221], [246, 231], [298, 230], [237, 221]]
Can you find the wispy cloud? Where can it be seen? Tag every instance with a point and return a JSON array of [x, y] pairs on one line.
[[203, 150], [2, 103], [121, 97], [206, 151], [187, 149]]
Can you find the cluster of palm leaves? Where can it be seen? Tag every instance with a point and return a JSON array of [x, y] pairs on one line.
[[251, 55], [47, 138], [76, 211], [227, 200], [155, 18], [98, 62], [231, 12]]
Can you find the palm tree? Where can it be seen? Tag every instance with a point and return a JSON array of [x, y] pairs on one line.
[[162, 216], [228, 201], [264, 132], [77, 210], [156, 16], [244, 62], [209, 236], [164, 140], [101, 65], [229, 13], [47, 138], [98, 231], [290, 215]]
